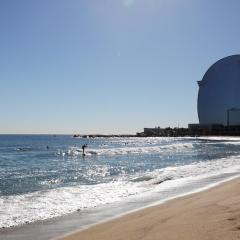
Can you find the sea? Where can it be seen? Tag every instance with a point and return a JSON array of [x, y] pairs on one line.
[[47, 183]]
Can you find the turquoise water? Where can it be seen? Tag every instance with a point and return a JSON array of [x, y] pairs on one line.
[[45, 176]]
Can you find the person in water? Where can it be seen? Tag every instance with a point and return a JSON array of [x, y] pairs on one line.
[[83, 148]]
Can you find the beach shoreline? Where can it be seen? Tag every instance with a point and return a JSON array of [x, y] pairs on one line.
[[210, 214], [117, 178]]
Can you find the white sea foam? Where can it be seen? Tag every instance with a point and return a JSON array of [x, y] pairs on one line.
[[74, 151], [20, 209], [218, 138], [123, 184], [41, 205]]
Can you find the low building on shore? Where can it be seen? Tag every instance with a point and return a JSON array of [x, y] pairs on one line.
[[163, 132]]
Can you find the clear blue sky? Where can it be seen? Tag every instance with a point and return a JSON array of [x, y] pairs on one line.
[[108, 66]]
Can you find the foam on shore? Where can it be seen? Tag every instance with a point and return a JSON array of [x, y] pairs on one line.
[[210, 214]]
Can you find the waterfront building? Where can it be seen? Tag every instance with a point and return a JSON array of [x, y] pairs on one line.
[[218, 96]]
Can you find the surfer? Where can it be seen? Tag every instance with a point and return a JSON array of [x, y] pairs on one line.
[[83, 149]]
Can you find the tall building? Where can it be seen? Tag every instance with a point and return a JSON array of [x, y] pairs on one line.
[[219, 93]]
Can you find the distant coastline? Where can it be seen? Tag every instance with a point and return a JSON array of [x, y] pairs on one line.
[[193, 130]]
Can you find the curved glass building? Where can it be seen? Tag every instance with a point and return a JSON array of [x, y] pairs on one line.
[[219, 93]]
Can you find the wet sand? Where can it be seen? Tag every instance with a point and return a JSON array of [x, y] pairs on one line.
[[211, 214]]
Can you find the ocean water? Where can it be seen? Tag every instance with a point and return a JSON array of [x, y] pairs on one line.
[[45, 176]]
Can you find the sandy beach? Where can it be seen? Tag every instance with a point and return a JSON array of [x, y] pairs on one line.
[[211, 214]]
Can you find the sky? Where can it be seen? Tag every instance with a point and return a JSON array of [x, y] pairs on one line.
[[108, 66]]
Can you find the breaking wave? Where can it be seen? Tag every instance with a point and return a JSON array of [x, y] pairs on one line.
[[41, 205], [75, 151]]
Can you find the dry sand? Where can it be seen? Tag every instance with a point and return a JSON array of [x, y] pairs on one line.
[[211, 214]]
